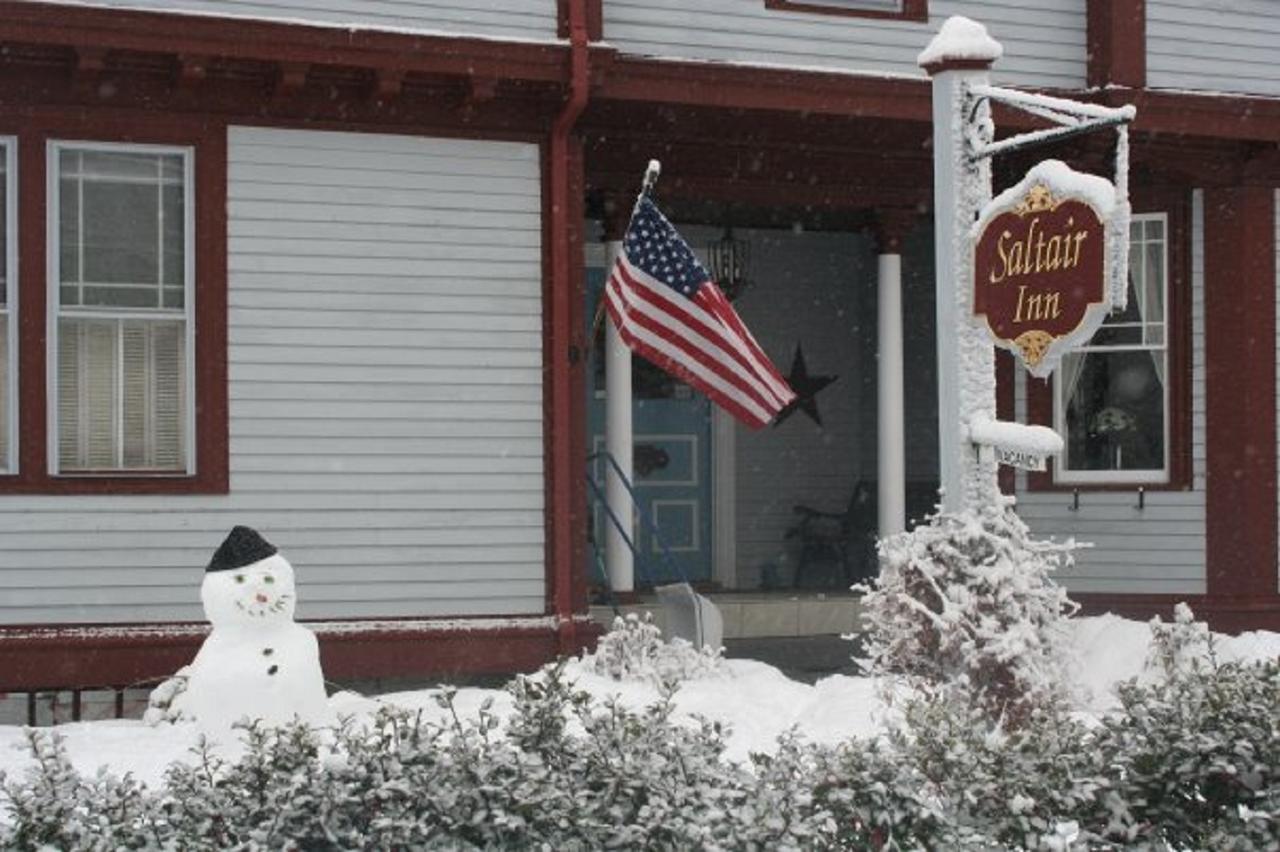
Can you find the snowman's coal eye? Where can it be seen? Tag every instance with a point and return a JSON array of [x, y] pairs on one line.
[[269, 579], [239, 578]]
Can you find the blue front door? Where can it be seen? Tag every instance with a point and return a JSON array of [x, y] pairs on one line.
[[671, 425]]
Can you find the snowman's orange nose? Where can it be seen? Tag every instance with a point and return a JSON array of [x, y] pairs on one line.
[[261, 598]]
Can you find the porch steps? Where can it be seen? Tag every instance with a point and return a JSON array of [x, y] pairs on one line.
[[758, 615]]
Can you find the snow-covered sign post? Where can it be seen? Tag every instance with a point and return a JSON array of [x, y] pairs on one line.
[[1036, 270]]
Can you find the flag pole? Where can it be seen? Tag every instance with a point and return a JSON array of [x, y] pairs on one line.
[[651, 174]]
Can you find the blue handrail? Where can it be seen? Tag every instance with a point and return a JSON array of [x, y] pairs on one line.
[[652, 525]]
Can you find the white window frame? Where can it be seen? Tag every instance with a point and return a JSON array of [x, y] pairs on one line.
[[1063, 475], [888, 7], [10, 261], [53, 261]]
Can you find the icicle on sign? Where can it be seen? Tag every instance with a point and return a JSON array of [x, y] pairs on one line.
[[1041, 263]]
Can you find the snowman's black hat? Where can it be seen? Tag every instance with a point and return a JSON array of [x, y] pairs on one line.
[[242, 546]]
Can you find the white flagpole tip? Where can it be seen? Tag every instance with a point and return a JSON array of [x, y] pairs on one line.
[[651, 174]]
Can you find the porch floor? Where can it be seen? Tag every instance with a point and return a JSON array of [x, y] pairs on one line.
[[754, 615]]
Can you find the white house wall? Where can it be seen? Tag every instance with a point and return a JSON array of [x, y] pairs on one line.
[[1223, 47], [385, 397], [1044, 42], [1156, 550], [527, 19]]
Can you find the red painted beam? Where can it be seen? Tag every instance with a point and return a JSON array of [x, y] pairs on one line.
[[23, 21], [114, 656], [1117, 40], [1240, 390]]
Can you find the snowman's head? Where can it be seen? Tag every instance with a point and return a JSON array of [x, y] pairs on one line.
[[248, 583], [260, 593]]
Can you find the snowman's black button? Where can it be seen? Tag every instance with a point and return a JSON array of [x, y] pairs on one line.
[[273, 670], [267, 652]]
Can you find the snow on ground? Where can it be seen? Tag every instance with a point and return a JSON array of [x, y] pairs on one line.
[[755, 700]]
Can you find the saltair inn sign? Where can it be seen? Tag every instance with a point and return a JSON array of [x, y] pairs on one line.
[[1040, 278], [1043, 260], [1044, 253]]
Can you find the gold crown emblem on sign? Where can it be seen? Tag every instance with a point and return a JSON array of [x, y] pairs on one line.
[[1038, 199]]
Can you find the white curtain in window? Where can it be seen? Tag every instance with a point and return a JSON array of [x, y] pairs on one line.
[[1069, 370], [1152, 305]]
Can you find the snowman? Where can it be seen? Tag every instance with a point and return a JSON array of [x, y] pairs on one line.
[[256, 662]]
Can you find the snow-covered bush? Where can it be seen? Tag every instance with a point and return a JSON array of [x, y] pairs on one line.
[[615, 779], [1191, 761], [1197, 752], [1034, 786], [634, 649], [966, 605]]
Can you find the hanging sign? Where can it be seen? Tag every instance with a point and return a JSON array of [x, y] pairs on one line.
[[1043, 262]]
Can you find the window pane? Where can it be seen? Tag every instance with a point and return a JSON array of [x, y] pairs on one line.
[[4, 391], [4, 231], [121, 395], [174, 216], [120, 297], [121, 236], [1115, 410], [138, 165], [69, 238]]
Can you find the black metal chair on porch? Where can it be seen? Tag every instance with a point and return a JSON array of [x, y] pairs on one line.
[[837, 549]]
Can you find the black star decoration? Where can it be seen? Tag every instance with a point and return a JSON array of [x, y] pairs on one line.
[[806, 388]]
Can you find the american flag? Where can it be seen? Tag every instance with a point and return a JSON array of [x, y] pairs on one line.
[[667, 309]]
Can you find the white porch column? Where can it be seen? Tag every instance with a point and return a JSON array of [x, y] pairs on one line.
[[619, 559], [891, 463]]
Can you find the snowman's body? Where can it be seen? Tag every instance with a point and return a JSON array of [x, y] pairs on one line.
[[256, 662]]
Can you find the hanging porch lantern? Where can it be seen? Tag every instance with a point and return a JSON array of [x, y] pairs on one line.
[[728, 261]]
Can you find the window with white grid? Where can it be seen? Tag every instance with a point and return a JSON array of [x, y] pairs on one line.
[[8, 293], [1112, 395], [122, 283]]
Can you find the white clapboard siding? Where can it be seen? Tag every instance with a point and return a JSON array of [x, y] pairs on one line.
[[521, 19], [1159, 549], [385, 389], [1044, 42], [1215, 47]]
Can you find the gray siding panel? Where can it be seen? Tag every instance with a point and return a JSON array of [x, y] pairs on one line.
[[385, 384], [1044, 42], [1223, 47], [525, 19], [1156, 550]]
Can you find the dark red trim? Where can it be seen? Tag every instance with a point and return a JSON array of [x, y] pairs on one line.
[[115, 656], [301, 45], [1175, 203], [1225, 614], [912, 10], [633, 78], [1117, 40], [1240, 390], [208, 139], [191, 49], [563, 340]]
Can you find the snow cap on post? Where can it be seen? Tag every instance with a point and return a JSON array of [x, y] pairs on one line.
[[243, 546], [961, 43]]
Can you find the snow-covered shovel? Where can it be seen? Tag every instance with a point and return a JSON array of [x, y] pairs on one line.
[[690, 616]]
